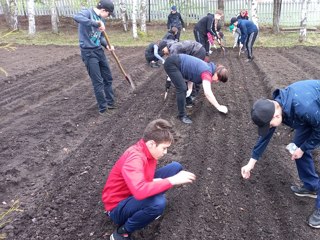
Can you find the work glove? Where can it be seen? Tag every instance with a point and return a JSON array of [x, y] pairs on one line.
[[163, 61], [223, 109], [168, 84], [183, 29]]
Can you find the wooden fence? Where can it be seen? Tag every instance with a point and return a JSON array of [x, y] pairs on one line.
[[193, 10]]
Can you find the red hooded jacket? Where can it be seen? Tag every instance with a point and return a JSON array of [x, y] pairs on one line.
[[132, 175]]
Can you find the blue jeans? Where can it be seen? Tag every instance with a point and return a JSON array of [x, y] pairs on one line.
[[305, 165], [135, 214], [100, 74]]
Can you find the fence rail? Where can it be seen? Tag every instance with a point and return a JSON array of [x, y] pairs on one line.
[[191, 10]]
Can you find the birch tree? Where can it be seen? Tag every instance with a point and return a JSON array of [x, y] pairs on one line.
[[254, 12], [276, 15], [134, 19], [303, 22], [10, 11], [124, 15], [54, 17], [143, 16], [31, 17], [221, 7]]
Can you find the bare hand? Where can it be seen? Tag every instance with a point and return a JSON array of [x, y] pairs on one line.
[[245, 171], [297, 154], [182, 177], [223, 109], [110, 48], [101, 26]]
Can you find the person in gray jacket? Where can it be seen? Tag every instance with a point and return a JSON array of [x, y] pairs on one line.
[[91, 25]]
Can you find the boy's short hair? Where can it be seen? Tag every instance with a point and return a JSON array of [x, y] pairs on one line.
[[160, 131], [222, 73]]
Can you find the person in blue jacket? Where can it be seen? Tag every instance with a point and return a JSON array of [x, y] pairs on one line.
[[175, 20], [91, 25], [181, 67], [298, 107], [249, 32]]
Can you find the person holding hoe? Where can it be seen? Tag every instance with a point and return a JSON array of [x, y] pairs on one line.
[[134, 194], [298, 107], [182, 67], [206, 30], [249, 32], [91, 25]]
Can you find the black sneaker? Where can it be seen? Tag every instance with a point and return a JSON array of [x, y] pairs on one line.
[[120, 236], [154, 65], [189, 102], [314, 219], [104, 113], [111, 106], [303, 192], [185, 119]]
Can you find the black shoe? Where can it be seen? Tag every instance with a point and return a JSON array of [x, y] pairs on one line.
[[314, 219], [104, 113], [185, 119], [120, 236], [111, 106], [303, 192], [189, 102], [154, 65]]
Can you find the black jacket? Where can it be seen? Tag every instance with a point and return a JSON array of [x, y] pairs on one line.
[[206, 24], [175, 20]]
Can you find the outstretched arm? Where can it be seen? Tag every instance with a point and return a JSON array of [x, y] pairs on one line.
[[211, 98]]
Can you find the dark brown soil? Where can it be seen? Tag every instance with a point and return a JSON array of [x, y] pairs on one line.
[[56, 151]]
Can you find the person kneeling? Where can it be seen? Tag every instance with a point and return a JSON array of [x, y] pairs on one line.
[[134, 194]]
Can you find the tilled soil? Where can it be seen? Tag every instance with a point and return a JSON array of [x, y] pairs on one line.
[[56, 151]]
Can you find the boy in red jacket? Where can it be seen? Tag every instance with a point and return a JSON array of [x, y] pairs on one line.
[[134, 192]]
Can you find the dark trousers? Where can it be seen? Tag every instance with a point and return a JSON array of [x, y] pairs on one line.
[[172, 68], [249, 43], [203, 39], [305, 165], [136, 214], [100, 75]]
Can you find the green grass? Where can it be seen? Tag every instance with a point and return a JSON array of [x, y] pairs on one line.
[[155, 32]]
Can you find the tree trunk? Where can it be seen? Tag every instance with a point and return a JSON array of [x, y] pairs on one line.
[[303, 22], [13, 15], [143, 15], [5, 9], [10, 11], [54, 17], [221, 7], [276, 15], [255, 12], [31, 17], [134, 19], [124, 15]]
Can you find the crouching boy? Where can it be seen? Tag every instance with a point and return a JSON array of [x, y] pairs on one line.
[[133, 195]]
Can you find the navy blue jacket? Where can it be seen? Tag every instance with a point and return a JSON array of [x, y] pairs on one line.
[[191, 68], [246, 27], [300, 104]]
